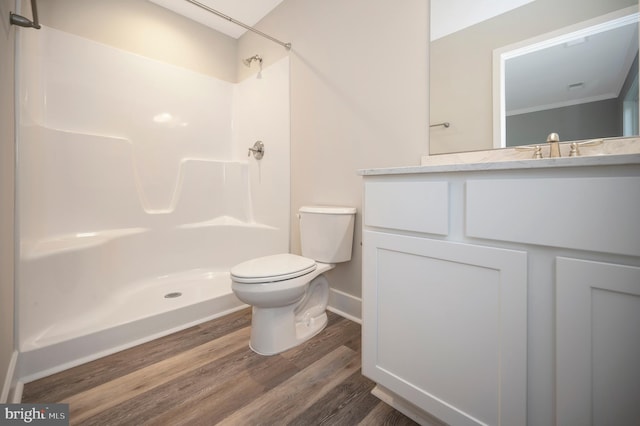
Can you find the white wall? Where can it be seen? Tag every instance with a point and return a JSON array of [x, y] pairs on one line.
[[142, 27], [359, 98], [7, 181], [262, 112]]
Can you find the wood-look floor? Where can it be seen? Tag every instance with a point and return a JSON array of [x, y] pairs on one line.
[[207, 375]]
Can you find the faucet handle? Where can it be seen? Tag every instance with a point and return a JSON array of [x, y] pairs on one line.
[[537, 150], [575, 146], [257, 149]]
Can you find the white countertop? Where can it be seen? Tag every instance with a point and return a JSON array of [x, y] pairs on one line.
[[594, 160]]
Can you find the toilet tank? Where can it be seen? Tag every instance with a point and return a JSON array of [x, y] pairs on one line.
[[326, 233]]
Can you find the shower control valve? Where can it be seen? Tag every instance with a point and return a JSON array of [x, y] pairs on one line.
[[257, 149]]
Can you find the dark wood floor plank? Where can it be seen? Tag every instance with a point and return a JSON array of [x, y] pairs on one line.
[[86, 404], [207, 375], [346, 404], [217, 388], [260, 375], [285, 402], [385, 415], [78, 379], [257, 375]]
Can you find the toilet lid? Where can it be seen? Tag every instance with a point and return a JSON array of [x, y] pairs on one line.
[[278, 267]]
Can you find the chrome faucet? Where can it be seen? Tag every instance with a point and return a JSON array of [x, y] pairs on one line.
[[554, 145], [257, 149]]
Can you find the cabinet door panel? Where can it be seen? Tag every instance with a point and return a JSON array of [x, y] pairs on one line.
[[444, 326], [597, 343]]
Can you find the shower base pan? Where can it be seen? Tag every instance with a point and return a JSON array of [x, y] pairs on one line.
[[151, 309]]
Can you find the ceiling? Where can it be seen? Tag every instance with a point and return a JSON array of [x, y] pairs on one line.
[[449, 16], [452, 15], [586, 68], [249, 12]]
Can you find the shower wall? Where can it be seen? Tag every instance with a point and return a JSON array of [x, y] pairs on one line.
[[131, 170]]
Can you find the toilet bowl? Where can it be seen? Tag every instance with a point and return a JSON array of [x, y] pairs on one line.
[[289, 293]]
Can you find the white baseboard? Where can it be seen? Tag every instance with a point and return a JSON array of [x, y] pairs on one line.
[[10, 379], [15, 397], [345, 305]]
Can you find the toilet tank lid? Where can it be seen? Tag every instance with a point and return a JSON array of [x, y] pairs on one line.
[[328, 209]]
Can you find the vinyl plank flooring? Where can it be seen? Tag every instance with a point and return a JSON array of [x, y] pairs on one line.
[[94, 400], [385, 415], [285, 402], [207, 375], [92, 374], [346, 404], [218, 391]]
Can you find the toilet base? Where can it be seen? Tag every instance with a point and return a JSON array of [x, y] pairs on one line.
[[274, 330], [290, 333]]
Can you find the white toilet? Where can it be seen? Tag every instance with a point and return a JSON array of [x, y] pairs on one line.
[[288, 293]]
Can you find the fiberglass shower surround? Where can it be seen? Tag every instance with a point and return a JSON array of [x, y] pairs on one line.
[[134, 183]]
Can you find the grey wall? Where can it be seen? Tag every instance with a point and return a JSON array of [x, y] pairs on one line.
[[600, 119], [626, 87], [7, 183], [594, 120], [628, 81]]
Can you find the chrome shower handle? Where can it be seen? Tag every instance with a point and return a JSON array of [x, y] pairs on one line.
[[257, 149]]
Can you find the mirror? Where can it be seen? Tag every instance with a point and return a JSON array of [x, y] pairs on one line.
[[581, 83], [464, 94]]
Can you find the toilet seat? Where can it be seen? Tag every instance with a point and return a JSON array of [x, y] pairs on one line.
[[279, 267]]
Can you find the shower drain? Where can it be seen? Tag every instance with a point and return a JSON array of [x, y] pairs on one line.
[[172, 295]]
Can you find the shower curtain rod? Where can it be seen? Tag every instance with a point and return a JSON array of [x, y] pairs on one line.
[[245, 26], [25, 22]]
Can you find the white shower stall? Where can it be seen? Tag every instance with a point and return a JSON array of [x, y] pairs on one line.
[[136, 194]]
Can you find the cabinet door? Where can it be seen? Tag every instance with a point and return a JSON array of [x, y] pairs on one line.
[[444, 326], [597, 343]]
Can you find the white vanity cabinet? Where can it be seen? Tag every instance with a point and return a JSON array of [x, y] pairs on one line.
[[597, 343], [504, 296], [450, 326]]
